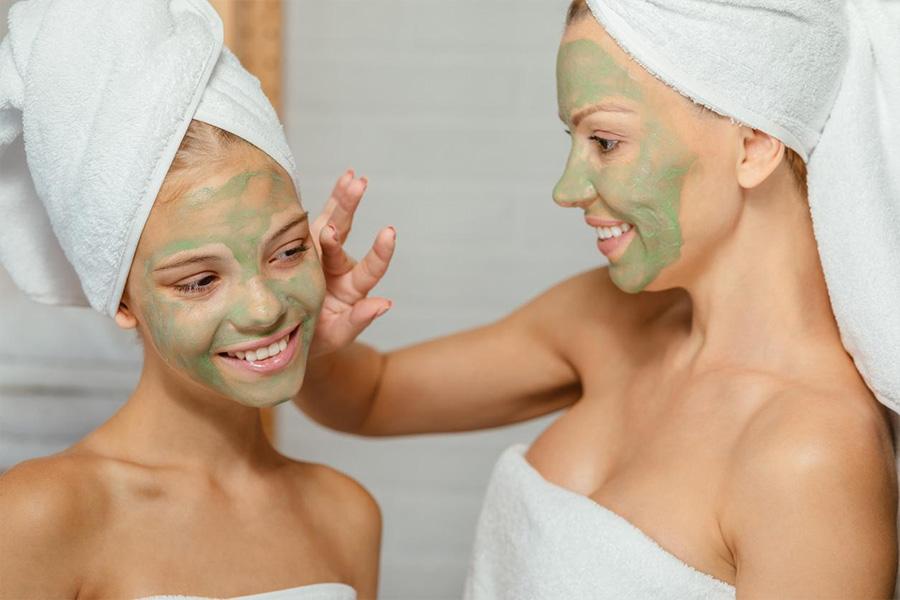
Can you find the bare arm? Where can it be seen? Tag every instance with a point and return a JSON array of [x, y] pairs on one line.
[[512, 370], [502, 373]]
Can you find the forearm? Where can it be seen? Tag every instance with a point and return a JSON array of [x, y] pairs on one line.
[[340, 388]]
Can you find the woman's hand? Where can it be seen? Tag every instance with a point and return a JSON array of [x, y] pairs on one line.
[[347, 309]]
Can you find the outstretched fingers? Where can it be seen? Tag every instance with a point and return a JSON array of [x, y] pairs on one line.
[[335, 262], [346, 197], [374, 265]]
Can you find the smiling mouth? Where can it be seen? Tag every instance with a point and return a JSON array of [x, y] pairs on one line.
[[608, 233], [266, 353]]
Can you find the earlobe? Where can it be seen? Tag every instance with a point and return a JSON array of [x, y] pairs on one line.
[[124, 317], [759, 157]]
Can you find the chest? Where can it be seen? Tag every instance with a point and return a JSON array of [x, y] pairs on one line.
[[655, 452], [198, 545]]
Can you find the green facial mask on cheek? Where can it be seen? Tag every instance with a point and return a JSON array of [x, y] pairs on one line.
[[645, 190], [247, 303]]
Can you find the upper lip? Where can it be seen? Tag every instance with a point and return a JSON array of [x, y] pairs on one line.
[[256, 344], [598, 222]]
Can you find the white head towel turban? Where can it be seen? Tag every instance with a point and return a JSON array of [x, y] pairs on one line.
[[96, 95], [823, 76]]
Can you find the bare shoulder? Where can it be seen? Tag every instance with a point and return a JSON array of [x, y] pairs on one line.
[[801, 433], [342, 494], [592, 299], [348, 520], [51, 509], [812, 497]]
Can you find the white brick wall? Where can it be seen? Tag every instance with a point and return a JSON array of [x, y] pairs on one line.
[[449, 107]]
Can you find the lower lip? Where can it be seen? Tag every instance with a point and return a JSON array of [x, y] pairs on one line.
[[614, 247], [267, 366]]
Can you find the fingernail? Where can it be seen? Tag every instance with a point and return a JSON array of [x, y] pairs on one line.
[[365, 181], [393, 233], [383, 310], [333, 231]]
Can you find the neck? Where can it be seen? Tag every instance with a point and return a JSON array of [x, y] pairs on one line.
[[168, 422], [763, 292]]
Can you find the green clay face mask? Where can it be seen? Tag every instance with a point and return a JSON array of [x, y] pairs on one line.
[[640, 180], [256, 276]]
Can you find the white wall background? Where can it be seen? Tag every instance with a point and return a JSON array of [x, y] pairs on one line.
[[449, 107]]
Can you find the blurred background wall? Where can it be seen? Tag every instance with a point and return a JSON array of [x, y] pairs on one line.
[[449, 107]]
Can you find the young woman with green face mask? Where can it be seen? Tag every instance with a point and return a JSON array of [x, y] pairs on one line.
[[194, 237], [180, 492], [717, 438]]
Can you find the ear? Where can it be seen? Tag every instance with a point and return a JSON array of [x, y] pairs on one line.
[[124, 317], [759, 156]]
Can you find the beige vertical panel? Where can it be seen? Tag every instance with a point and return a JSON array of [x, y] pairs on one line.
[[253, 33]]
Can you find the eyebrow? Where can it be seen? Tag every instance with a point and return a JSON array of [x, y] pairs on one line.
[[605, 107], [187, 261], [190, 260], [302, 218]]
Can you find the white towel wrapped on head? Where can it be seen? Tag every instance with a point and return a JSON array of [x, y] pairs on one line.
[[97, 95]]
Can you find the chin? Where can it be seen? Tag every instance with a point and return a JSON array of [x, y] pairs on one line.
[[263, 396]]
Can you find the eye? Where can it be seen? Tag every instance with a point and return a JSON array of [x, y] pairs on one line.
[[290, 252], [196, 286], [606, 146]]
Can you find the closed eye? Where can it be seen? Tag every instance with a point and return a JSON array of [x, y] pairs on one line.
[[196, 286], [290, 252]]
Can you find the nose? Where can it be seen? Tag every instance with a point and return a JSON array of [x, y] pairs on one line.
[[262, 307], [575, 188]]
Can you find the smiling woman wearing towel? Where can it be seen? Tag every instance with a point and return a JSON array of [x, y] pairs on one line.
[[722, 435], [159, 188]]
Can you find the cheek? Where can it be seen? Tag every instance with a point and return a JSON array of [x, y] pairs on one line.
[[711, 202], [183, 331], [306, 287]]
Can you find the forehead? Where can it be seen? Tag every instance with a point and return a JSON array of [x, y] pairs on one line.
[[240, 201], [591, 67]]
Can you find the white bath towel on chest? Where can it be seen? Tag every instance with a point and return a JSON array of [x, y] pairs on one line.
[[539, 541]]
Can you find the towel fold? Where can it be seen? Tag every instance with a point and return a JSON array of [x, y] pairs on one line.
[[96, 95]]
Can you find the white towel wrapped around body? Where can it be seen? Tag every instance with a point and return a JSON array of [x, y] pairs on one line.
[[96, 95], [538, 541]]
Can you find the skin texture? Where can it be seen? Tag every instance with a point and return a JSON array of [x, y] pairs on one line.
[[252, 294], [641, 180], [180, 492], [715, 409]]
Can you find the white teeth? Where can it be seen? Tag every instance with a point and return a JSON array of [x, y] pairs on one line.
[[262, 353], [605, 233]]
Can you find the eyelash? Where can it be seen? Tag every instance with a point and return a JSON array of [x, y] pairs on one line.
[[299, 251], [194, 287], [600, 142]]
